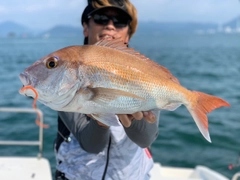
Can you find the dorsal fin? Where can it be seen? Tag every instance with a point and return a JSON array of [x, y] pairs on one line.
[[118, 44]]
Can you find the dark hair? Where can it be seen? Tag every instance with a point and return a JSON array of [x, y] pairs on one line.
[[85, 41]]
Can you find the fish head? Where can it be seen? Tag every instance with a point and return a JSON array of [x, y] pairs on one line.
[[54, 77]]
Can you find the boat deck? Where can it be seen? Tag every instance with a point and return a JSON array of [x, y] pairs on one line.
[[27, 168], [178, 173]]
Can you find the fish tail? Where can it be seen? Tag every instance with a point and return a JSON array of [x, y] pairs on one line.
[[204, 104]]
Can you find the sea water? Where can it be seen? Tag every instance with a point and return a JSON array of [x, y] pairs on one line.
[[207, 63]]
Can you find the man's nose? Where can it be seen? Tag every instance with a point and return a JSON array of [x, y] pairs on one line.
[[110, 25]]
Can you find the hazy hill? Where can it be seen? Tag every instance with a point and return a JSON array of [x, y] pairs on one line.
[[234, 23], [62, 31], [143, 27], [13, 29], [171, 27]]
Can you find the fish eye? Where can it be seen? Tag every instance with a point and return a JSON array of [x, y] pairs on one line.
[[52, 62]]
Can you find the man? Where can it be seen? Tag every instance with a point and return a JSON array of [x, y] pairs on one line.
[[89, 149]]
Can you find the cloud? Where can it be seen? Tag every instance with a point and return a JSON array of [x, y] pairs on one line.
[[42, 14], [28, 6], [187, 10], [3, 9], [47, 13]]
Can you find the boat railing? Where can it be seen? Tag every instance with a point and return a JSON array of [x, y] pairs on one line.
[[38, 142], [236, 176]]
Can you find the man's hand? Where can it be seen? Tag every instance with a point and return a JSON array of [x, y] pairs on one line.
[[126, 119]]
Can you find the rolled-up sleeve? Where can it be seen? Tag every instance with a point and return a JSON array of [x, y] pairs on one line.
[[92, 137]]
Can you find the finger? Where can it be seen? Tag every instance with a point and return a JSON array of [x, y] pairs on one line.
[[125, 120], [149, 116], [137, 115]]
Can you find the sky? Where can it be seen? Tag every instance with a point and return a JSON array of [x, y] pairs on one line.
[[44, 14]]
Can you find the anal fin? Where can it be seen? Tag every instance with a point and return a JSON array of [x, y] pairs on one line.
[[107, 119]]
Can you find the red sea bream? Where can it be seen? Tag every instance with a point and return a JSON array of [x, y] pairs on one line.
[[109, 78]]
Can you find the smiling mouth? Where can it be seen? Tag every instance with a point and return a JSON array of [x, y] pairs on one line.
[[107, 37]]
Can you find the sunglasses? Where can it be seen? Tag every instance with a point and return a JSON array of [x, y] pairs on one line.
[[118, 21]]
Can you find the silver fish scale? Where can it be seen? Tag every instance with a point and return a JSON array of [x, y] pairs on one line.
[[149, 91]]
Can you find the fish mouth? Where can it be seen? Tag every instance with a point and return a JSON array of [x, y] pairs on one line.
[[24, 79]]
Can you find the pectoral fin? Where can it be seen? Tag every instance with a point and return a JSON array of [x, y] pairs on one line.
[[105, 95], [107, 119]]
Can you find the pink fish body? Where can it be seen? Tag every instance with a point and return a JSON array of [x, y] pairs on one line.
[[107, 79]]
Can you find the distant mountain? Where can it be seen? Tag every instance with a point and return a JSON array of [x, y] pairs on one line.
[[172, 27], [234, 23], [143, 27], [13, 29], [62, 31]]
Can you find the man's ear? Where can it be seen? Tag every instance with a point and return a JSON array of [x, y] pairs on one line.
[[85, 29]]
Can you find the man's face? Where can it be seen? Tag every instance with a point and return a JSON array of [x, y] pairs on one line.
[[96, 32]]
